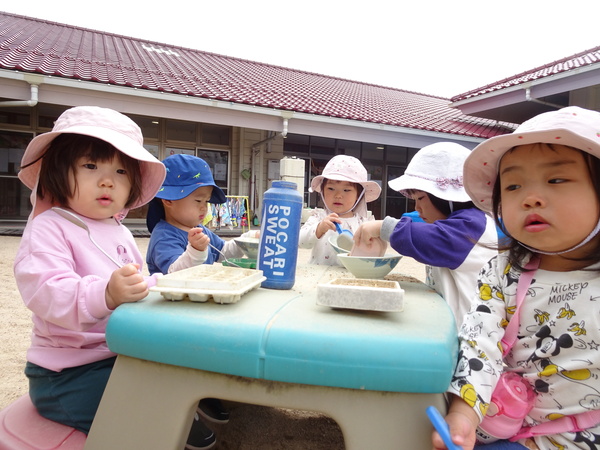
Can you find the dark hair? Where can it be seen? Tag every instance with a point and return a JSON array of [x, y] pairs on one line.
[[442, 205], [516, 251], [359, 187], [60, 159]]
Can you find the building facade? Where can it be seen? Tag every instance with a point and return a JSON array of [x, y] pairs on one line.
[[241, 116]]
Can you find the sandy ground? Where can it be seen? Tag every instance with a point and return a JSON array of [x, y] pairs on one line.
[[250, 427]]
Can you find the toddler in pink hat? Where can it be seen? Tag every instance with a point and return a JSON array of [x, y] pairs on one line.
[[345, 191], [534, 323], [93, 168]]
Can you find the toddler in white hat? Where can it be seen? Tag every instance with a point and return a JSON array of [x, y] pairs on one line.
[[448, 238], [345, 190]]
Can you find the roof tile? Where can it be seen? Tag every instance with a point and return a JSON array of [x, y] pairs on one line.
[[585, 58], [34, 45]]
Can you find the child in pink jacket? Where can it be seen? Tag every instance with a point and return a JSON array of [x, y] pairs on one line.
[[93, 165]]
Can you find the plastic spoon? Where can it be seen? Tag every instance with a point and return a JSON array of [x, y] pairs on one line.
[[76, 220], [345, 239], [224, 257], [442, 428]]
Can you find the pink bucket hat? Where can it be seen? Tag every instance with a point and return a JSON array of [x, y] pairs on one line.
[[571, 126], [105, 124], [436, 169], [347, 168]]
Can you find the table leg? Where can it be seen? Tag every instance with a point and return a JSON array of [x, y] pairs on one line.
[[150, 405], [142, 408]]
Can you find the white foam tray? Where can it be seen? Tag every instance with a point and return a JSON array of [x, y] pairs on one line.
[[363, 294], [199, 283]]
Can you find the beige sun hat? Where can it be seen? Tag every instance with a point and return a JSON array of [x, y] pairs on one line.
[[436, 169], [105, 124], [571, 126]]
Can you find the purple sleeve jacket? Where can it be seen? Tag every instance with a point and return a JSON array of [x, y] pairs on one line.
[[454, 250]]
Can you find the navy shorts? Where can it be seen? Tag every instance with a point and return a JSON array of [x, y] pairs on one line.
[[72, 396]]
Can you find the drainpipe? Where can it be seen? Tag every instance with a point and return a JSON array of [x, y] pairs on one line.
[[285, 128], [256, 146], [283, 134], [529, 98], [31, 102]]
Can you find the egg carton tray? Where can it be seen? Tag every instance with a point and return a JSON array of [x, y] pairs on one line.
[[199, 283], [362, 294]]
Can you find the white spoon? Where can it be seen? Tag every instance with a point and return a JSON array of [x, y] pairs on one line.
[[76, 220]]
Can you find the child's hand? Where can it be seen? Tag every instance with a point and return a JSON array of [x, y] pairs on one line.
[[462, 422], [126, 285], [328, 223], [251, 234], [367, 232], [198, 239]]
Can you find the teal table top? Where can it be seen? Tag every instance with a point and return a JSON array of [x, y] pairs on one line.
[[283, 335]]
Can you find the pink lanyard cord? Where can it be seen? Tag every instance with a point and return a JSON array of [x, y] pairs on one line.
[[510, 334]]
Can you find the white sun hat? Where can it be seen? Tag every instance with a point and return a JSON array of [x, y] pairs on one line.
[[436, 169]]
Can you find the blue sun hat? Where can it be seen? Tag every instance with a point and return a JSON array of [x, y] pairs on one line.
[[185, 174]]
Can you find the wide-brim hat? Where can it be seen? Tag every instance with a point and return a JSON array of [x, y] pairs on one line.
[[571, 126], [347, 168], [105, 124], [436, 169], [185, 174]]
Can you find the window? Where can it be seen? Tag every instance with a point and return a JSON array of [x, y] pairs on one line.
[[14, 195], [175, 151], [351, 148], [216, 135], [396, 203], [16, 116], [219, 165], [153, 150], [47, 115], [150, 126], [178, 130]]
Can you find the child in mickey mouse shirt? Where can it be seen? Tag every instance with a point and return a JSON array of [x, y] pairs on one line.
[[543, 181]]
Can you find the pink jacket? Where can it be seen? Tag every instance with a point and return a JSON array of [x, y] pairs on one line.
[[62, 278]]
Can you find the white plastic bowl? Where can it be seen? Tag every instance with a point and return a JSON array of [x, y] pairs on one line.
[[369, 267], [249, 246]]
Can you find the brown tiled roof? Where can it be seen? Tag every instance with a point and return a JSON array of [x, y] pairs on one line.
[[49, 48], [585, 58]]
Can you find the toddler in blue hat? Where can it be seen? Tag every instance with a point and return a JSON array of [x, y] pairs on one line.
[[179, 241], [175, 215]]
